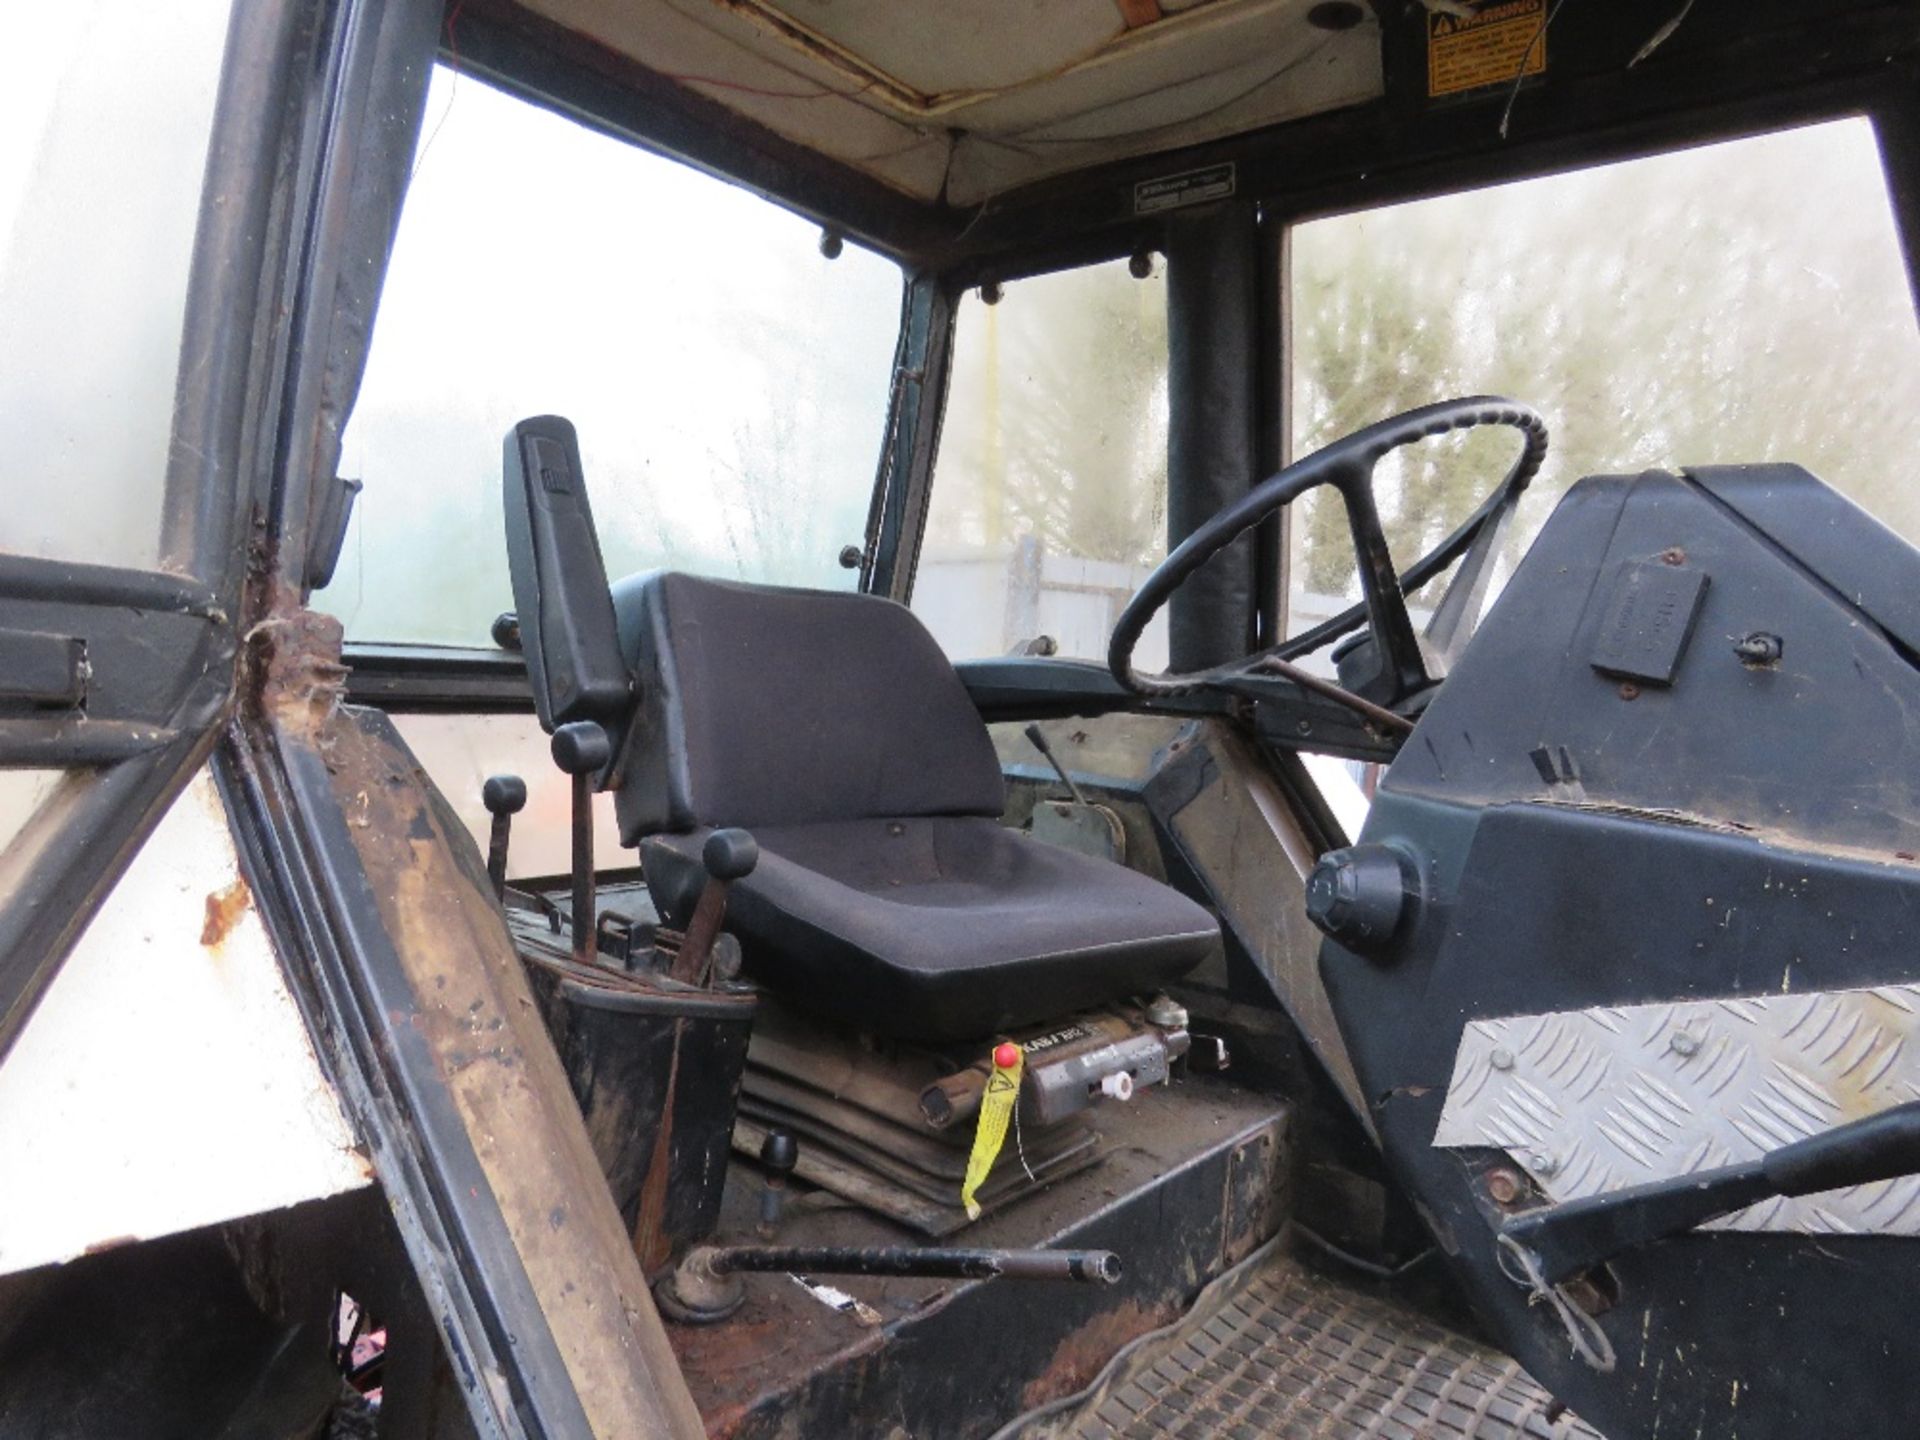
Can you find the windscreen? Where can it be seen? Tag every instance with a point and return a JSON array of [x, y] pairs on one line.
[[1733, 303]]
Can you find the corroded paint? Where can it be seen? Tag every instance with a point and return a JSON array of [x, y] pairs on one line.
[[473, 1010], [224, 908]]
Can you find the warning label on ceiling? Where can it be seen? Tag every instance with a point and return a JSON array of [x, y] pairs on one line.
[[1495, 45]]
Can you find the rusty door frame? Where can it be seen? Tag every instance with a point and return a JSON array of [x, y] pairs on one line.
[[371, 890]]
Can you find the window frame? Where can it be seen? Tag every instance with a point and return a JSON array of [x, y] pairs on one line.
[[404, 676], [161, 646]]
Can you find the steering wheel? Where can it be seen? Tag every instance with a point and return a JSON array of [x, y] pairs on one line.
[[1348, 466]]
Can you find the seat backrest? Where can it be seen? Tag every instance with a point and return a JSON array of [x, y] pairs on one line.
[[759, 705]]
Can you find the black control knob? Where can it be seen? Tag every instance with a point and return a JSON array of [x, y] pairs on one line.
[[581, 747], [730, 854], [504, 795], [1358, 896], [780, 1152]]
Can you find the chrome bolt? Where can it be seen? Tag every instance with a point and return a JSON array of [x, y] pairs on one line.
[[1684, 1042], [1501, 1059], [1541, 1163]]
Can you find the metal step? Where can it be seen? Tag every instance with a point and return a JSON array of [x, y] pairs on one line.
[[1283, 1352]]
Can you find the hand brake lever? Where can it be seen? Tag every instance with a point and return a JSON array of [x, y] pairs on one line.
[[1575, 1236]]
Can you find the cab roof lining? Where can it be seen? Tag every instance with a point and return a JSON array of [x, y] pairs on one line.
[[1015, 92]]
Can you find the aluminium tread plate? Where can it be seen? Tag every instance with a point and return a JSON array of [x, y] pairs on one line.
[[1290, 1354]]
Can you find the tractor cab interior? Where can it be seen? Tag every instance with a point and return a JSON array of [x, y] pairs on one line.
[[1010, 887], [1181, 716]]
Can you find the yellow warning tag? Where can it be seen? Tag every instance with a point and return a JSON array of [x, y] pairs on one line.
[[996, 1109], [1495, 45]]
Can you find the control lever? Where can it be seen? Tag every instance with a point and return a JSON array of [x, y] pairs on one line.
[[779, 1152], [728, 855], [1575, 1236], [706, 1286], [582, 749], [1038, 740], [505, 796]]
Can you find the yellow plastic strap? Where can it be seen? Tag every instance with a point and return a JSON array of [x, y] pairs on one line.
[[996, 1109]]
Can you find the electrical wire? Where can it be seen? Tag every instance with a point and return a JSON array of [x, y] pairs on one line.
[[1526, 58], [1662, 35], [1372, 1268]]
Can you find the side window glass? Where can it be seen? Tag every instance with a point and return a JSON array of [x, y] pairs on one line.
[[104, 123], [1737, 302], [1049, 501], [729, 382]]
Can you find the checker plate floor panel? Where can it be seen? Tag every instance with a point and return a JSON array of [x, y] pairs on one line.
[[1288, 1354]]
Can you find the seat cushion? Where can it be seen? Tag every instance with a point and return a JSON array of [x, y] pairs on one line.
[[939, 927]]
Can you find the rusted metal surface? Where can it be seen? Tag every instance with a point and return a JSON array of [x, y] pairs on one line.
[[1258, 1196], [478, 1020], [1085, 1352], [655, 1067], [224, 908], [956, 1358], [293, 667]]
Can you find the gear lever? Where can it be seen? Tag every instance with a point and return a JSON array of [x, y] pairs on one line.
[[1037, 738], [505, 796], [728, 855], [582, 750]]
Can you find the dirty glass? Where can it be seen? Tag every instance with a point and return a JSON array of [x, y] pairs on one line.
[[728, 381], [104, 121], [1049, 501], [1739, 302]]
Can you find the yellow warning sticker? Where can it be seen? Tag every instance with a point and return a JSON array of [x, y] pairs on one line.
[[1495, 45]]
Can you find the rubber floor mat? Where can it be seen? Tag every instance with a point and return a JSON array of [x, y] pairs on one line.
[[1289, 1354]]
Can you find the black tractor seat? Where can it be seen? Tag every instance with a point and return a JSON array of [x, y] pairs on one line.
[[888, 896]]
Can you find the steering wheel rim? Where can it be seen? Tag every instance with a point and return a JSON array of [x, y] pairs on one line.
[[1348, 465]]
